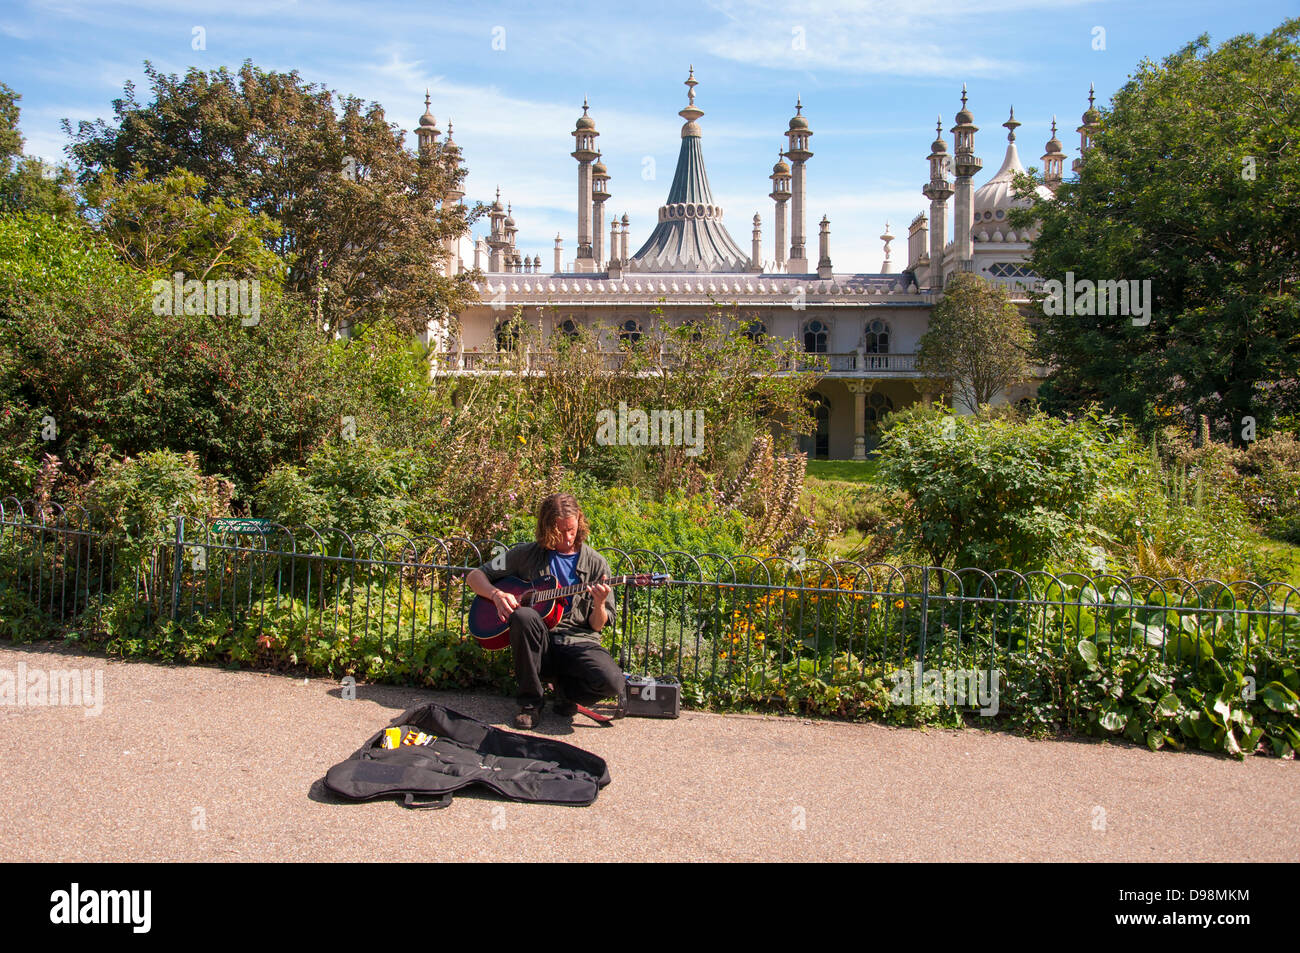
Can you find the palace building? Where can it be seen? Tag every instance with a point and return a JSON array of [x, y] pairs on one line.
[[866, 327]]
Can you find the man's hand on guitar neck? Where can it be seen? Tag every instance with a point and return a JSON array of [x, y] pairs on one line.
[[598, 616]]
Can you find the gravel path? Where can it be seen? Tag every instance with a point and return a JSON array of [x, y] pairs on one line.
[[188, 763]]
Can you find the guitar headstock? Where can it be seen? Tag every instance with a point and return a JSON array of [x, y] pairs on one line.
[[651, 579]]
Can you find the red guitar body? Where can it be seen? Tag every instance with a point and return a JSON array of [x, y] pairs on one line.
[[493, 634]]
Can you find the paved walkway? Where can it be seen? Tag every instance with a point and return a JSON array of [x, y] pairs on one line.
[[240, 755]]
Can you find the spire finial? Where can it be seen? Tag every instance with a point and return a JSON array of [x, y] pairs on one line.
[[1011, 125], [1092, 94], [798, 105], [584, 105], [427, 99], [963, 95], [1053, 127], [938, 126], [691, 82]]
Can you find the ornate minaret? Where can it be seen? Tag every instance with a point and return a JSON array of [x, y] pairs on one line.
[[622, 239], [497, 240], [756, 256], [426, 133], [799, 154], [824, 249], [1053, 161], [1091, 120], [453, 196], [559, 253], [780, 194], [887, 266], [938, 190], [966, 165], [599, 195], [511, 231], [584, 135]]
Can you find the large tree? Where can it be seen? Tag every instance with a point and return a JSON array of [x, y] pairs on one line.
[[978, 339], [1193, 183], [362, 219], [26, 183]]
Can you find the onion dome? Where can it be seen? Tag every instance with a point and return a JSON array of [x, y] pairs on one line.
[[497, 206], [1054, 144], [427, 121], [1093, 115], [938, 146], [964, 116], [797, 121], [782, 167], [585, 121]]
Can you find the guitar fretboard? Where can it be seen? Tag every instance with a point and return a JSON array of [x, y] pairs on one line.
[[549, 594]]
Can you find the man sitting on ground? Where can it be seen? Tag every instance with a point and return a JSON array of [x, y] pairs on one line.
[[571, 654]]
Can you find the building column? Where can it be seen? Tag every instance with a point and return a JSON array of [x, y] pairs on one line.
[[860, 389]]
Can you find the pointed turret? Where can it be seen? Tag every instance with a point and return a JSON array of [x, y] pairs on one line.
[[689, 236], [1091, 120], [1053, 161]]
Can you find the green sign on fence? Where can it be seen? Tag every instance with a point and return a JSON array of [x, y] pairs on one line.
[[242, 525]]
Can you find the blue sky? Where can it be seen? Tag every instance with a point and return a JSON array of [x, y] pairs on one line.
[[512, 77]]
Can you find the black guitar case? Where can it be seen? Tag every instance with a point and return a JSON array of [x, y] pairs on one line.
[[466, 751]]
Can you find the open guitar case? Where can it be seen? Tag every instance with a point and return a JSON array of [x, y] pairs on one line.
[[466, 751]]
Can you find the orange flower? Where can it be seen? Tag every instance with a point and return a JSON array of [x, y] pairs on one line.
[[898, 604]]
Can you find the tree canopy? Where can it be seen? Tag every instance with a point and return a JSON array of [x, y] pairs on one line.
[[361, 220], [1193, 183], [977, 338]]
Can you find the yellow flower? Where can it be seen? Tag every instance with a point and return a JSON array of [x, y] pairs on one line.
[[898, 604], [723, 655], [521, 439], [875, 605]]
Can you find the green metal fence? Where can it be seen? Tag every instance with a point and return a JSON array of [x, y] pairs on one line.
[[753, 620]]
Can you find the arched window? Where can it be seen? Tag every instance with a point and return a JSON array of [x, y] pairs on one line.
[[878, 405], [816, 336], [507, 335], [756, 331], [630, 332], [1010, 269], [877, 337], [569, 329]]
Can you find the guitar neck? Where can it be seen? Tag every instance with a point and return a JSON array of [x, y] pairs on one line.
[[578, 587]]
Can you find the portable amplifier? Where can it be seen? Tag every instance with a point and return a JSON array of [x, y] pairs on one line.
[[649, 697]]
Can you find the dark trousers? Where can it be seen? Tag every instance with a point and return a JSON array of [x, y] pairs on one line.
[[584, 672]]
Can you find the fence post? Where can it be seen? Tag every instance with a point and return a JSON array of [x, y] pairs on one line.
[[925, 610], [177, 563]]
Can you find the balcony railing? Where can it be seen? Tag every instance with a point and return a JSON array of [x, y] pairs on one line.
[[844, 362]]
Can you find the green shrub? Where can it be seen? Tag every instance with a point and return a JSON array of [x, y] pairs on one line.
[[992, 492]]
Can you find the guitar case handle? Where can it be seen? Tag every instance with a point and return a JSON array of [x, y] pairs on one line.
[[438, 802]]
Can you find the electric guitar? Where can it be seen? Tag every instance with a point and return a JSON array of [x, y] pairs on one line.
[[493, 634]]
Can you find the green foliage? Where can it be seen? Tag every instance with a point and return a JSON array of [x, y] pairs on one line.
[[977, 339], [352, 485], [361, 219], [26, 183], [1192, 182], [628, 519], [162, 227], [988, 491]]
